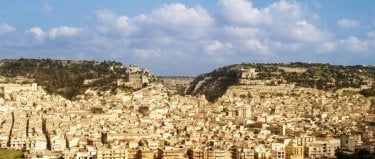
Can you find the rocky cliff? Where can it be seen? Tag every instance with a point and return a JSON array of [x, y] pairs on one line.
[[311, 75], [214, 84]]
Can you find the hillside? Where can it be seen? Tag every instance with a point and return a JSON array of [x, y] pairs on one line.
[[178, 83], [71, 78], [214, 84], [312, 75]]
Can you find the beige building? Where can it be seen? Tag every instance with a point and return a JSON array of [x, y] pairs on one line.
[[197, 154], [247, 74], [322, 147], [244, 111], [173, 153], [37, 143], [58, 142], [18, 141], [294, 151], [351, 142], [246, 153], [314, 150], [370, 146], [7, 89], [279, 150], [217, 154], [109, 153], [147, 154], [133, 154]]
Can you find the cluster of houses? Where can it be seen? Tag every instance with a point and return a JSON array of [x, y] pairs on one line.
[[248, 122]]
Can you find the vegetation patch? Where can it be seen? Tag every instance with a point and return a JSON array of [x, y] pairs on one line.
[[10, 154], [361, 154], [368, 92], [312, 75], [65, 77], [214, 84]]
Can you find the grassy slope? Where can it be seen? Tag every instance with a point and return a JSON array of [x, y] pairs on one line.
[[9, 154]]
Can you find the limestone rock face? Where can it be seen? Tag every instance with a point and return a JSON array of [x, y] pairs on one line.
[[352, 79], [214, 84]]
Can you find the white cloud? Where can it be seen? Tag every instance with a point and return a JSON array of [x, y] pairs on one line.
[[306, 32], [178, 15], [113, 24], [122, 22], [105, 16], [63, 31], [326, 47], [177, 20], [190, 35], [45, 8], [348, 23], [256, 47], [279, 29], [106, 19], [6, 29], [174, 20], [278, 47], [355, 45], [237, 32], [371, 34], [285, 11], [241, 12], [216, 48], [37, 33], [279, 21], [148, 53]]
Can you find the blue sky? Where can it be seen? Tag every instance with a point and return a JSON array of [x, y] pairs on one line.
[[171, 37]]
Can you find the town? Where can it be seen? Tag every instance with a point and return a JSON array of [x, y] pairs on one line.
[[251, 120], [187, 79]]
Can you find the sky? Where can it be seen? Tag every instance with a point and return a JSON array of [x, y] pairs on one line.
[[174, 37]]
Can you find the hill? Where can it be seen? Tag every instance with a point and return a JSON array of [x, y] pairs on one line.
[[214, 84], [71, 78], [178, 83], [313, 75]]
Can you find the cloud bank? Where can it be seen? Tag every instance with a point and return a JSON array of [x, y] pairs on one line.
[[176, 39]]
